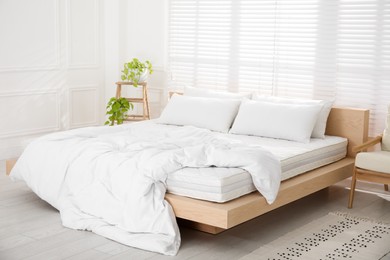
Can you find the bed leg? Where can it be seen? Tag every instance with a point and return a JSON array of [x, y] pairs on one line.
[[200, 226], [9, 164], [352, 191]]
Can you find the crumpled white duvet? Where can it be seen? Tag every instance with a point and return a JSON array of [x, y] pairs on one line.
[[111, 180]]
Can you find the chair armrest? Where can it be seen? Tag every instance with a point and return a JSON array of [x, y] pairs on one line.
[[367, 144]]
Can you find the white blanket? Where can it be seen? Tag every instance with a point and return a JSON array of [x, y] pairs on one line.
[[111, 180]]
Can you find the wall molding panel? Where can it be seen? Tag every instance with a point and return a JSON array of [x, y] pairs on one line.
[[28, 46], [27, 104], [52, 76], [83, 105], [85, 35], [157, 99]]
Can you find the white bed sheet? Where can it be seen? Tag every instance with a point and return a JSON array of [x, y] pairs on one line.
[[224, 184]]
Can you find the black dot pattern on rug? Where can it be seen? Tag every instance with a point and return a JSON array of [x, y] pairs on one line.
[[361, 241], [345, 251]]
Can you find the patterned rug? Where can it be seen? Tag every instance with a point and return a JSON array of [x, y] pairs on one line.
[[334, 236]]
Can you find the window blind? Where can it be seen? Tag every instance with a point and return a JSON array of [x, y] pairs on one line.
[[296, 48]]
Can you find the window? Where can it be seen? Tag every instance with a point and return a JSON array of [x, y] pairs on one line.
[[311, 49]]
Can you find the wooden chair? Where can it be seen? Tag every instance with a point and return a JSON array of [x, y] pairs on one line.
[[370, 166]]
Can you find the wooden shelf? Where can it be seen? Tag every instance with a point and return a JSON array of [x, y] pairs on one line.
[[135, 100], [143, 100]]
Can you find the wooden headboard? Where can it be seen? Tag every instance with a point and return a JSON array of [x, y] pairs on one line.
[[351, 123]]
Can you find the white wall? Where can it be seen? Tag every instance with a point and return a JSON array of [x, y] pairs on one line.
[[141, 30], [59, 61], [51, 69]]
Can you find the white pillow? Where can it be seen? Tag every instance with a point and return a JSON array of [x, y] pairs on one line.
[[386, 133], [320, 126], [199, 92], [210, 113], [293, 122]]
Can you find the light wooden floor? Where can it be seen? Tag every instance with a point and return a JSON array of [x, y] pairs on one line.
[[31, 229]]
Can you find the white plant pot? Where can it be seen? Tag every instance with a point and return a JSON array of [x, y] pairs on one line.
[[143, 77]]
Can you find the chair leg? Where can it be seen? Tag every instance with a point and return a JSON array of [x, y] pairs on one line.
[[386, 187], [352, 191]]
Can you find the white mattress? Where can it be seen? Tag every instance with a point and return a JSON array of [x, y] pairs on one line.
[[224, 184]]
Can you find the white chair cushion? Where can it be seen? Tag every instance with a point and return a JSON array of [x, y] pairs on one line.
[[374, 161], [386, 133]]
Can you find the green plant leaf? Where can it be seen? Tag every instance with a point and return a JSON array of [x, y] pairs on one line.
[[117, 109], [134, 69]]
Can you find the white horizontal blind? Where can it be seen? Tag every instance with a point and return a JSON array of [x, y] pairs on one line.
[[296, 45], [200, 42], [255, 46], [297, 48], [363, 57]]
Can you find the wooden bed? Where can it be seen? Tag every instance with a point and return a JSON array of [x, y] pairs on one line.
[[214, 217]]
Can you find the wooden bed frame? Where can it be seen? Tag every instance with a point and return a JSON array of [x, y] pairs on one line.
[[214, 217]]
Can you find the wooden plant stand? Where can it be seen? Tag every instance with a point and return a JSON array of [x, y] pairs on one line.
[[144, 100]]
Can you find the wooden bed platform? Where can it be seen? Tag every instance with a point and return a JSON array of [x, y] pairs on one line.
[[214, 217]]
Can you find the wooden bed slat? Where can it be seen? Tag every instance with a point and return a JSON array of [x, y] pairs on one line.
[[9, 164]]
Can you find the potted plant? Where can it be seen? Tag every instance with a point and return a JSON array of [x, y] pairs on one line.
[[136, 71], [117, 109]]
